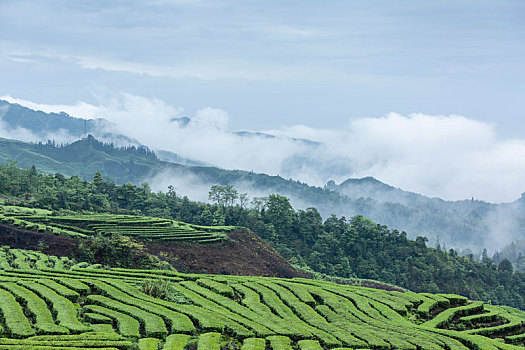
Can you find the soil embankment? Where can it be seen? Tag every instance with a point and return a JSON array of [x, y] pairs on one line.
[[243, 253], [45, 242]]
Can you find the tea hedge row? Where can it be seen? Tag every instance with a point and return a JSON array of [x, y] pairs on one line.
[[82, 308], [82, 226]]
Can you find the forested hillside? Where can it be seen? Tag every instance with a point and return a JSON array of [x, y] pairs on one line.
[[463, 224], [43, 124], [354, 247], [83, 158]]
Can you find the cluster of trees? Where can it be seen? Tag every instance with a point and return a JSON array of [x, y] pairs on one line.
[[355, 247], [513, 253], [459, 223], [109, 148], [227, 196]]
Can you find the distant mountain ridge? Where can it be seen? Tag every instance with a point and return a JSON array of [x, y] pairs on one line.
[[46, 125], [466, 223], [64, 128], [462, 223], [369, 187]]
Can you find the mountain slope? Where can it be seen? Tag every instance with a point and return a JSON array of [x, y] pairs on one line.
[[189, 248], [123, 308], [464, 224], [45, 125], [62, 127], [468, 223], [83, 158]]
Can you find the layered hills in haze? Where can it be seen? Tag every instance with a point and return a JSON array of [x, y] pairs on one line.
[[462, 224]]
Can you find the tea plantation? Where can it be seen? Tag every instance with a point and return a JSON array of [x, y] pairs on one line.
[[82, 226], [49, 303]]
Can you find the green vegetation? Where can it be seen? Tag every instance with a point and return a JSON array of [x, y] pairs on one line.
[[16, 324], [176, 342], [111, 309], [84, 158], [83, 226], [363, 249], [461, 222], [26, 259], [254, 344], [50, 302]]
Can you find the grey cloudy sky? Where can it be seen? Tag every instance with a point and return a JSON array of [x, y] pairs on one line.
[[272, 63], [425, 95]]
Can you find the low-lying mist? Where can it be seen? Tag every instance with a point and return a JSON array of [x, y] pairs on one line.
[[186, 183], [462, 225], [451, 157]]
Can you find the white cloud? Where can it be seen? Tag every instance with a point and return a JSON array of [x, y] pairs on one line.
[[210, 118], [79, 109], [17, 133], [291, 32], [22, 59], [446, 156], [201, 69], [218, 69], [452, 157]]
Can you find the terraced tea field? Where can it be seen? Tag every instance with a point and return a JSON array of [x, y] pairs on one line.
[[70, 307], [28, 259], [146, 228]]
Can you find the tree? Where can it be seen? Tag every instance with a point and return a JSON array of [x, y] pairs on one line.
[[310, 225], [98, 182], [281, 214], [216, 194], [505, 270], [230, 195], [259, 203], [243, 200], [223, 195], [171, 192], [485, 257], [505, 266], [206, 217], [218, 218], [421, 241], [335, 225]]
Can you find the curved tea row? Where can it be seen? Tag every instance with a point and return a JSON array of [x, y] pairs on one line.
[[51, 308], [82, 226]]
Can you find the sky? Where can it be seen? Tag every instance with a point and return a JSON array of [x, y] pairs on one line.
[[424, 95]]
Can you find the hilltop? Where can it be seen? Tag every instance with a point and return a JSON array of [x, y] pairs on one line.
[[83, 158]]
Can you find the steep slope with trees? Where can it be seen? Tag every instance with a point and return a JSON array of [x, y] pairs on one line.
[[462, 224], [356, 247]]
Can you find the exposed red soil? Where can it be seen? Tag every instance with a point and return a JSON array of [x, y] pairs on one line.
[[45, 242], [243, 253]]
